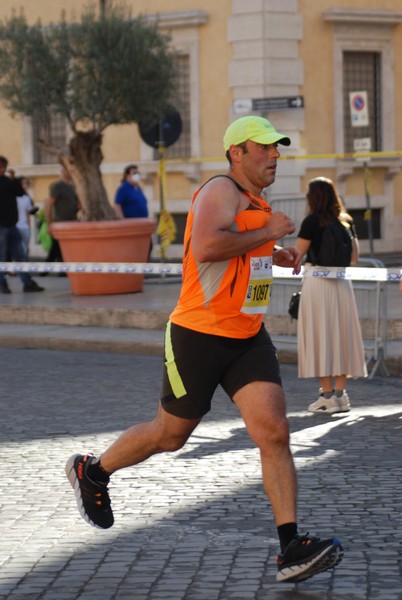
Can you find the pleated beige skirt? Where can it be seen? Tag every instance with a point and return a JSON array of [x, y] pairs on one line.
[[329, 339]]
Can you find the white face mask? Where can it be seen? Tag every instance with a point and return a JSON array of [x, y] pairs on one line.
[[136, 177]]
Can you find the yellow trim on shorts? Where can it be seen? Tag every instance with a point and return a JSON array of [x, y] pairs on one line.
[[175, 380]]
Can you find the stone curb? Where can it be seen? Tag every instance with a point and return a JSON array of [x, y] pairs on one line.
[[148, 342]]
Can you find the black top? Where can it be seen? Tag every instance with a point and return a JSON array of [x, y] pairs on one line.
[[310, 229], [9, 190]]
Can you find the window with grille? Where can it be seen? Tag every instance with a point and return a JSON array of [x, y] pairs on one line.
[[360, 223], [54, 132], [362, 72], [182, 148]]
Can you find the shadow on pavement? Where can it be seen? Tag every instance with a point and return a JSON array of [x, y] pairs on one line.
[[194, 524]]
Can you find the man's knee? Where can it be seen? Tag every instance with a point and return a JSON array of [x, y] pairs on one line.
[[171, 433], [171, 442], [272, 433]]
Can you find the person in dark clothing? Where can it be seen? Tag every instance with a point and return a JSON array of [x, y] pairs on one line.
[[10, 238], [63, 205]]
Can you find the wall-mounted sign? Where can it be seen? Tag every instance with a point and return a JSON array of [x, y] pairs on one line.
[[247, 105], [362, 144], [359, 109], [242, 106]]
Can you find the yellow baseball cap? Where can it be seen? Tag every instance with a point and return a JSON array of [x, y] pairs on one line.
[[256, 129]]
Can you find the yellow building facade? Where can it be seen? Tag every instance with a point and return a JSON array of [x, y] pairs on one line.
[[327, 75]]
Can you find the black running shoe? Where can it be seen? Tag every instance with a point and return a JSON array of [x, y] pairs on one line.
[[32, 286], [92, 496], [306, 556]]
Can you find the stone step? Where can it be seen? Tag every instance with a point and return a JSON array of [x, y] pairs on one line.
[[107, 317], [84, 317], [130, 340]]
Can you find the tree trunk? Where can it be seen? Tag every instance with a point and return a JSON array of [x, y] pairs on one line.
[[83, 164]]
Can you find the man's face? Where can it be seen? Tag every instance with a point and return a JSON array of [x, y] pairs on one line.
[[259, 163], [3, 168]]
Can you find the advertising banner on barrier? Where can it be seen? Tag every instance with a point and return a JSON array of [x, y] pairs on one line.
[[352, 273]]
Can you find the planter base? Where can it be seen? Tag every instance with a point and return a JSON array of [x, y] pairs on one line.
[[125, 240]]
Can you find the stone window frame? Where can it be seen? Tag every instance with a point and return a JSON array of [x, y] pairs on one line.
[[365, 30], [183, 28]]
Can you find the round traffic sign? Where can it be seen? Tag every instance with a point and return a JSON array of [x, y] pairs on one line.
[[358, 102], [163, 133]]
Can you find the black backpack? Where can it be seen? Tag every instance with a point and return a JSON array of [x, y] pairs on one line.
[[336, 246]]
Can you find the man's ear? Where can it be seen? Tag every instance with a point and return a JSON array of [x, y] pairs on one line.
[[235, 153]]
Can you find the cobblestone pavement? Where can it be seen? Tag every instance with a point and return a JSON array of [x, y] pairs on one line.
[[193, 525]]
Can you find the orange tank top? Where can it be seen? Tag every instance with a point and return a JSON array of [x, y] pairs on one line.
[[227, 298]]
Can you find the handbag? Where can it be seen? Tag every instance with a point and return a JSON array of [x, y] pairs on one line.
[[293, 309]]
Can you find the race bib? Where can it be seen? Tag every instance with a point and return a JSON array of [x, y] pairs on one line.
[[259, 286]]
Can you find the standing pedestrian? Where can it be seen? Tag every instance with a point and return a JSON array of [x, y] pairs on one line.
[[215, 335], [63, 205], [26, 208], [329, 339], [130, 201], [10, 239]]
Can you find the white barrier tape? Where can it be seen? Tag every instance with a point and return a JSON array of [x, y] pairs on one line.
[[352, 273], [95, 267]]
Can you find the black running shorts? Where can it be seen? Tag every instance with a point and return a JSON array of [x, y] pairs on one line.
[[196, 363]]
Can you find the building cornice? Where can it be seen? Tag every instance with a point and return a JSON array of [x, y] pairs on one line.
[[188, 18], [362, 16]]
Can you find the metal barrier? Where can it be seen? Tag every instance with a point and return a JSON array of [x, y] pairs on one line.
[[371, 300], [371, 297]]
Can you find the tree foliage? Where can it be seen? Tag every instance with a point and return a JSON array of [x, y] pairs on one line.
[[107, 69]]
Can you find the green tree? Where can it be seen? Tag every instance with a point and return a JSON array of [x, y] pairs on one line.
[[107, 69]]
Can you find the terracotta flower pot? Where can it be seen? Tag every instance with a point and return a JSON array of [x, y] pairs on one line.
[[125, 240]]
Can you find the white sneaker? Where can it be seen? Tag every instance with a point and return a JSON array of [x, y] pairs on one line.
[[325, 405], [344, 403]]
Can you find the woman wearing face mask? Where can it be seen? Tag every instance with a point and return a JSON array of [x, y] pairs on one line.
[[130, 201]]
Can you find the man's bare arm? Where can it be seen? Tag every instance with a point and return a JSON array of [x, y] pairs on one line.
[[214, 210]]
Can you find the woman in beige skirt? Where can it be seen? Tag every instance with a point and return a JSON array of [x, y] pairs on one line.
[[329, 338]]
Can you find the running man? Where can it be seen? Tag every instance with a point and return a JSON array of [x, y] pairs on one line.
[[216, 336]]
